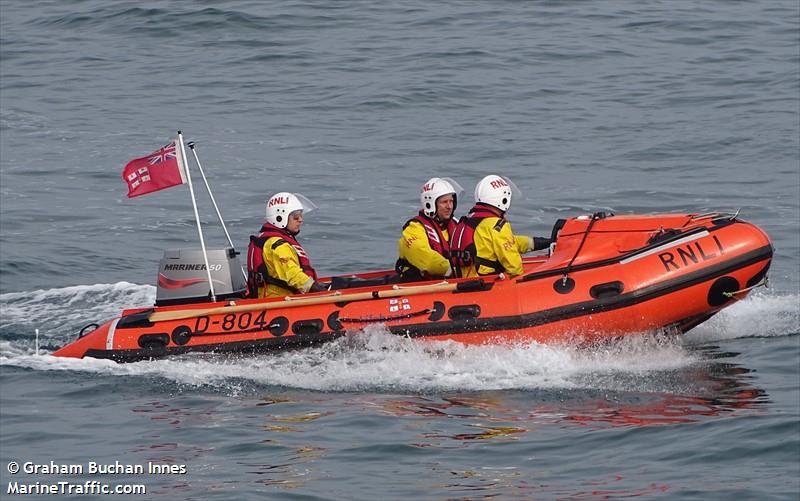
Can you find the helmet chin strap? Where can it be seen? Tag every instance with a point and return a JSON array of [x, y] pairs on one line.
[[441, 222]]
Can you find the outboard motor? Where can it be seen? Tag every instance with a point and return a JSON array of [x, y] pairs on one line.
[[182, 276]]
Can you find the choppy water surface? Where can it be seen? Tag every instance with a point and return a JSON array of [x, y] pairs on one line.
[[629, 106]]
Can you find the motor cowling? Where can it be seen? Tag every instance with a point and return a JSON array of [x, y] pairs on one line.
[[182, 276]]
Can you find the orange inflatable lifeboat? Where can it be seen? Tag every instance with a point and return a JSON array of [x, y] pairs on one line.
[[605, 277]]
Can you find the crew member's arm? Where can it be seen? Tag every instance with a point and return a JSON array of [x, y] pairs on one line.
[[413, 247], [528, 244], [507, 249], [524, 243]]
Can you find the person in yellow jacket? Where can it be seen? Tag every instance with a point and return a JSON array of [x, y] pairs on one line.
[[483, 242], [277, 264], [424, 246]]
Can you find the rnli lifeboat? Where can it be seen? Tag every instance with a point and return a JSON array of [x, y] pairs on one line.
[[606, 276]]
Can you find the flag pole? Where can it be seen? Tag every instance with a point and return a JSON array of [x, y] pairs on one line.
[[190, 144], [197, 218]]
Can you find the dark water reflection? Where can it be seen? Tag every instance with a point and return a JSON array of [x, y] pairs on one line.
[[550, 442], [716, 389], [289, 439]]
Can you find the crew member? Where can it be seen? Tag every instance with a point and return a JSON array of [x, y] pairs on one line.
[[483, 243], [424, 246], [277, 265]]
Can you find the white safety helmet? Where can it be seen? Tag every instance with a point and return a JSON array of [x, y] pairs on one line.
[[435, 188], [280, 205], [496, 191]]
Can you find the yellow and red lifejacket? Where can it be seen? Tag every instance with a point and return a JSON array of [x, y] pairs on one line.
[[257, 273], [462, 240], [436, 241]]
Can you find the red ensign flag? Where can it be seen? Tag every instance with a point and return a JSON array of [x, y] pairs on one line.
[[158, 170]]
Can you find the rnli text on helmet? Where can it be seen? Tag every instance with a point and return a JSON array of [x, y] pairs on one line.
[[278, 200]]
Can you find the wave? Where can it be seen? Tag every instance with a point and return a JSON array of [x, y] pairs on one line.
[[58, 312], [374, 358], [166, 21], [762, 314]]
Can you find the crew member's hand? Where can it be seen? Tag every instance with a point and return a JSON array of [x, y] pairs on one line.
[[538, 243], [319, 287]]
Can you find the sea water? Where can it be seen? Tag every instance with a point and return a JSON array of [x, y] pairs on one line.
[[627, 107]]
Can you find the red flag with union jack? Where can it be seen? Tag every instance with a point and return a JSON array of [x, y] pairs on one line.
[[158, 170]]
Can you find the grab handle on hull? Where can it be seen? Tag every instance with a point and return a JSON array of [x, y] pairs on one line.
[[464, 312], [308, 327], [732, 294], [83, 332], [608, 289]]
